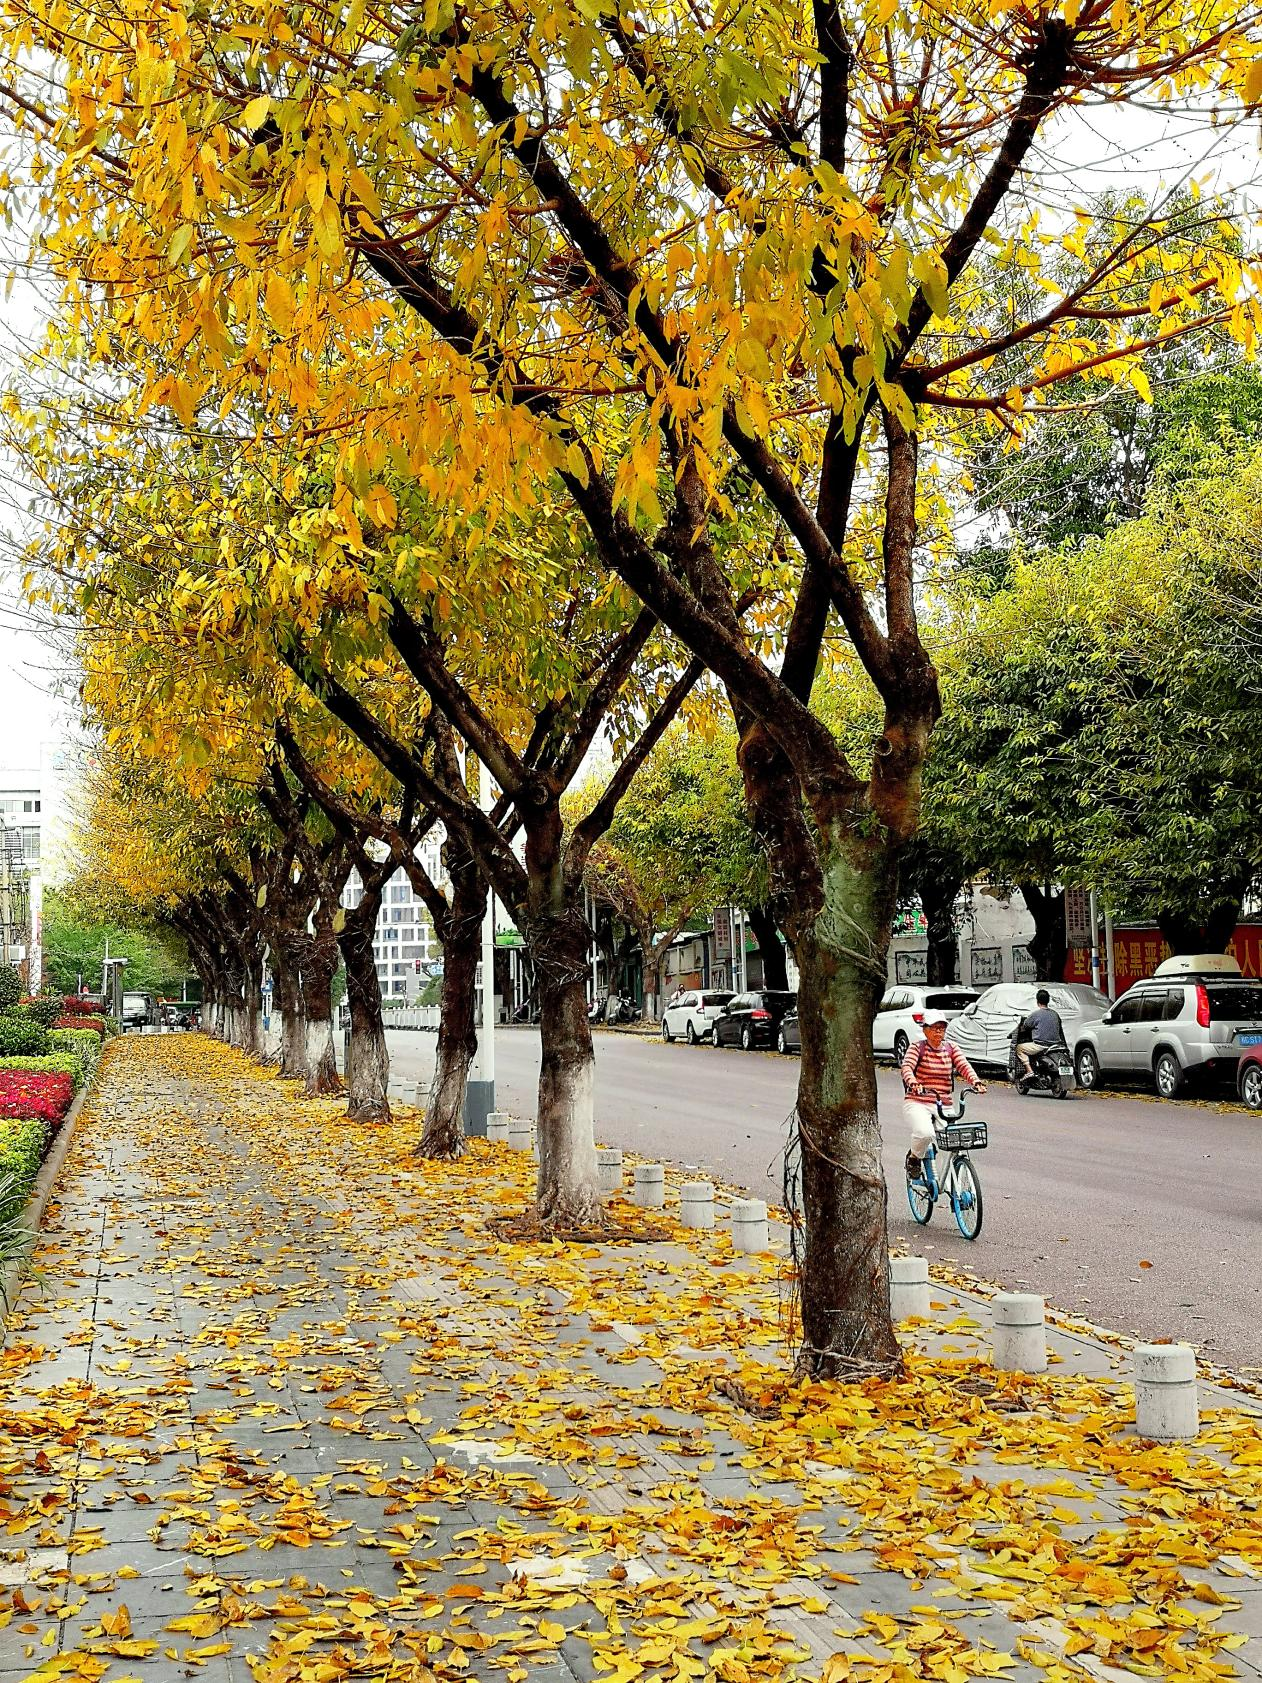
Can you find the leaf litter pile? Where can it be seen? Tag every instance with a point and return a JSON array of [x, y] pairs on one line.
[[280, 1406]]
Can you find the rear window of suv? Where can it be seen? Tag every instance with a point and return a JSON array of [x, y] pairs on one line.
[[715, 998], [949, 1001], [1234, 1000]]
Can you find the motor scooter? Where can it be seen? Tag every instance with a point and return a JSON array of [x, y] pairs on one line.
[[1051, 1069]]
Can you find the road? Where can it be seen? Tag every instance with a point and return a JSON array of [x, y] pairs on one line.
[[1140, 1216]]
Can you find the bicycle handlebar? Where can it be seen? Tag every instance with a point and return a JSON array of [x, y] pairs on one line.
[[955, 1115]]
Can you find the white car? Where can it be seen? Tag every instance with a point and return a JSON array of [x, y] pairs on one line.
[[690, 1016], [984, 1032], [896, 1023]]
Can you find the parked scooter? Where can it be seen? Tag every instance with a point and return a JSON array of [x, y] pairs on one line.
[[1051, 1070], [620, 1009], [596, 1010]]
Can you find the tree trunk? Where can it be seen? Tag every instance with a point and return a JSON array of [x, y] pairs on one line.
[[559, 941], [654, 987], [1048, 947], [938, 901], [443, 1134], [771, 949], [568, 1184], [318, 969], [252, 1006], [287, 987], [369, 1073], [841, 954]]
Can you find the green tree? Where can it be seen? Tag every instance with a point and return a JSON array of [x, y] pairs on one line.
[[77, 939], [1102, 719]]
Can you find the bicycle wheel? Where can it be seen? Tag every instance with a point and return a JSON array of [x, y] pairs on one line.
[[921, 1200], [966, 1198]]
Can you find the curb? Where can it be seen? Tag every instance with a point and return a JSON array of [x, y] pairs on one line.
[[13, 1274]]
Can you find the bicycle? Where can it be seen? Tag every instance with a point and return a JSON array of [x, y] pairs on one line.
[[960, 1182]]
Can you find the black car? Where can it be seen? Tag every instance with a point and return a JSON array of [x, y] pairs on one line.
[[753, 1019], [789, 1035]]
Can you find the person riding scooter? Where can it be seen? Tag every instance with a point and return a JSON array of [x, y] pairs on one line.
[[1041, 1028]]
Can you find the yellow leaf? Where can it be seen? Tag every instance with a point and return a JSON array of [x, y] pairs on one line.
[[255, 113], [279, 297]]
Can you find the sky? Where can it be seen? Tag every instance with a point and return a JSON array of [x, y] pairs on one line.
[[1097, 149]]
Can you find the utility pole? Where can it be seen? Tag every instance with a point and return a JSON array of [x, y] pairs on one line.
[[479, 1100], [1110, 962]]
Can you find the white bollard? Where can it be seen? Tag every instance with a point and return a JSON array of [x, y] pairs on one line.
[[749, 1226], [609, 1168], [1018, 1339], [498, 1124], [521, 1134], [1165, 1392], [909, 1287], [696, 1204], [650, 1186]]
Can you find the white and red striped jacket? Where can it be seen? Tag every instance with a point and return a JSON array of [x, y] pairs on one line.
[[929, 1076]]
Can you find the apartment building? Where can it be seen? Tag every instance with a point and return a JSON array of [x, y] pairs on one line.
[[404, 945]]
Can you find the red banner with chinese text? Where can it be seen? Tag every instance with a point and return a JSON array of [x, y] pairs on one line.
[[1138, 952]]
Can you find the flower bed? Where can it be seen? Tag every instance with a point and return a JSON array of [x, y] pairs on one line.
[[96, 1024], [40, 1097], [56, 1063]]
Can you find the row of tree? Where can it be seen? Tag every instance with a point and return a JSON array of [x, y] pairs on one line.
[[455, 383]]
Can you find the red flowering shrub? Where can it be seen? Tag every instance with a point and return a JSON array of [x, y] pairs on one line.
[[68, 1022], [37, 1097], [78, 1005]]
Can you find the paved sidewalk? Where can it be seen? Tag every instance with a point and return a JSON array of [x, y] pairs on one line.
[[281, 1406]]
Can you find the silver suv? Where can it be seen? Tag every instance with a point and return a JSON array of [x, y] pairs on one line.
[[1194, 1016]]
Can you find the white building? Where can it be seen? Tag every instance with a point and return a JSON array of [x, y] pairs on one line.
[[22, 811], [404, 944]]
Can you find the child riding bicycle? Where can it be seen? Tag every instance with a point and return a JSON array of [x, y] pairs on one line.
[[928, 1071]]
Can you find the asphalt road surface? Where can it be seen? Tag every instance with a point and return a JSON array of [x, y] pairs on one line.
[[1139, 1215]]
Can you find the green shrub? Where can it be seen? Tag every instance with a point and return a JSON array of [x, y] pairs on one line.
[[56, 1063], [10, 987], [84, 1044], [22, 1037], [21, 1153], [43, 1010]]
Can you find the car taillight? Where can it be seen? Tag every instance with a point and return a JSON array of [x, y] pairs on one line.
[[762, 1016], [1202, 1006]]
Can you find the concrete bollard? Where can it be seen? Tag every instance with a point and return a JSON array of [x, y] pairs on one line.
[[1018, 1339], [521, 1134], [909, 1287], [749, 1226], [1165, 1391], [498, 1125], [609, 1168], [650, 1186], [696, 1204]]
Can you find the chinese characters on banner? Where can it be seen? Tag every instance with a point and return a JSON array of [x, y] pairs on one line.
[[1138, 952]]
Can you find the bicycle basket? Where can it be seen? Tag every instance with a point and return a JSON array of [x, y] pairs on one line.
[[962, 1136]]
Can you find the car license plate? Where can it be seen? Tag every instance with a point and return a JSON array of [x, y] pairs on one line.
[[1250, 1039]]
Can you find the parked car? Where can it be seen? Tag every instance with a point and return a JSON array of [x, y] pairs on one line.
[[901, 1011], [984, 1031], [139, 1010], [1249, 1077], [752, 1019], [789, 1034], [1195, 1016], [691, 1015]]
